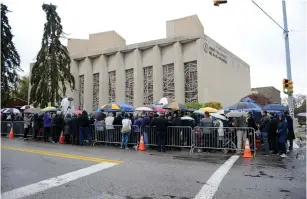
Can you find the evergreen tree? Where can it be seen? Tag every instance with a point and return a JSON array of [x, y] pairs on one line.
[[51, 72], [10, 60]]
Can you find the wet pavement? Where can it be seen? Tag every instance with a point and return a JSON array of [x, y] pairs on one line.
[[148, 175]]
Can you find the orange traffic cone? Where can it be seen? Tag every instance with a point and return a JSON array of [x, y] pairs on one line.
[[11, 134], [247, 151], [142, 145], [62, 139]]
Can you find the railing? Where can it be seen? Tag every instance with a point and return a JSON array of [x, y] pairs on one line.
[[199, 138]]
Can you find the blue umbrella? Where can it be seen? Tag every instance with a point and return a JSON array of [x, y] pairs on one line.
[[244, 106], [247, 99], [275, 107]]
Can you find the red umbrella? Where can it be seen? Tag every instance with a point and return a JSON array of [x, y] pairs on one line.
[[160, 109], [78, 112]]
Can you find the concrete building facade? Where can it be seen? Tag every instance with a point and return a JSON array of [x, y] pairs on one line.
[[187, 66], [270, 92]]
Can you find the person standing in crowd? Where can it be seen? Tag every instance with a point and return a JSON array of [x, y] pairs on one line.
[[207, 124], [161, 124], [145, 129], [47, 126], [27, 125], [67, 131], [59, 126], [73, 126], [126, 128], [84, 129], [36, 125], [109, 128], [273, 134], [264, 128], [251, 124], [100, 127], [291, 135], [282, 135]]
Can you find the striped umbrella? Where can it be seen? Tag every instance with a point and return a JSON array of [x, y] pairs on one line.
[[174, 106], [33, 110], [117, 107], [144, 108]]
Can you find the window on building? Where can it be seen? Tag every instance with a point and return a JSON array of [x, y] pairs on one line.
[[148, 85], [95, 90], [129, 86], [81, 92], [190, 81], [112, 86], [168, 81]]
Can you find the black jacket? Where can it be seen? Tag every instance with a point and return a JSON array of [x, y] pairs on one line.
[[265, 124], [273, 127], [291, 135], [251, 123], [161, 123]]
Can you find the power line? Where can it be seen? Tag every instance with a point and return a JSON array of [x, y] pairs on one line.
[[269, 16]]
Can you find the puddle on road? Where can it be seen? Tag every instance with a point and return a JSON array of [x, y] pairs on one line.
[[260, 174], [284, 190], [300, 156]]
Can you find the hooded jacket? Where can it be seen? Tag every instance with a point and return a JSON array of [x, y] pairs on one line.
[[282, 129]]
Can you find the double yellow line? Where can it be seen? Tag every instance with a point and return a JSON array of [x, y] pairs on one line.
[[62, 155]]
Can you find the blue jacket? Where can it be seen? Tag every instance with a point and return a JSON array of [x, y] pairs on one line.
[[47, 120], [282, 130]]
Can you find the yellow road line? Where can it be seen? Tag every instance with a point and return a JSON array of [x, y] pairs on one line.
[[63, 155]]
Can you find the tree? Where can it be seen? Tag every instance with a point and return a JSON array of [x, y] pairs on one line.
[[299, 103], [51, 72], [194, 105], [259, 99], [213, 104], [22, 88], [10, 60]]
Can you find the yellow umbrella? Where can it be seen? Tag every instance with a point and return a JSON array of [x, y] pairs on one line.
[[49, 108], [208, 109]]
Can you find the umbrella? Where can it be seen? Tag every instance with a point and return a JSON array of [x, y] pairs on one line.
[[302, 114], [247, 99], [165, 100], [98, 115], [208, 109], [10, 110], [117, 107], [50, 109], [244, 105], [143, 108], [187, 118], [199, 112], [174, 106], [26, 107], [219, 116], [275, 107], [160, 109], [236, 114], [33, 110], [78, 112], [188, 110]]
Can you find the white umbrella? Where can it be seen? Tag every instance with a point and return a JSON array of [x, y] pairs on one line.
[[143, 108], [165, 100], [219, 116], [26, 107], [10, 110], [236, 114], [187, 118], [302, 114]]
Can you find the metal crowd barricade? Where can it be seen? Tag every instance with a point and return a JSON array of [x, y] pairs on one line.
[[225, 139], [149, 133], [112, 135], [6, 127], [179, 136]]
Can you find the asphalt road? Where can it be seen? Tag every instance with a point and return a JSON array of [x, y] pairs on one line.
[[44, 170]]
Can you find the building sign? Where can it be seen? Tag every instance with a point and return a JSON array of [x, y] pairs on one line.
[[215, 52]]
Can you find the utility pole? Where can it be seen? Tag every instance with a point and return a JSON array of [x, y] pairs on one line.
[[286, 37], [288, 61]]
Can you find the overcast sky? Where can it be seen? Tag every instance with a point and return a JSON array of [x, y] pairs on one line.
[[238, 25]]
